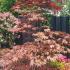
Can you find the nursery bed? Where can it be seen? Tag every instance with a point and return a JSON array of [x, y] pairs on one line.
[[20, 56]]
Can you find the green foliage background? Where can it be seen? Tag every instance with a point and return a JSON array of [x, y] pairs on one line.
[[5, 5]]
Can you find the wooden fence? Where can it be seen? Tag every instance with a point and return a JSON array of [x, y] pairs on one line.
[[61, 23]]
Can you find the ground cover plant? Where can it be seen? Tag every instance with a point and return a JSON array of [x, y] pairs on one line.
[[27, 42]]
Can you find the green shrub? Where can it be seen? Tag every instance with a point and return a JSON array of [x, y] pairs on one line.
[[5, 5], [56, 64], [6, 37]]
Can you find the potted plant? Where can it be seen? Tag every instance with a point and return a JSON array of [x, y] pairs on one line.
[[61, 20]]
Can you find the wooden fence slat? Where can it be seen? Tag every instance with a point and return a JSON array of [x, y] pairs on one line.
[[67, 25], [53, 23], [58, 23], [63, 20]]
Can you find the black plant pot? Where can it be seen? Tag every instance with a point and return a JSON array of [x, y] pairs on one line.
[[21, 38], [18, 40], [61, 23]]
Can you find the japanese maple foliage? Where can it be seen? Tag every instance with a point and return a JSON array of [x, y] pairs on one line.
[[28, 19], [40, 3]]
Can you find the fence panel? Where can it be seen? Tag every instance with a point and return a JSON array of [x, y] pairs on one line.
[[61, 23]]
